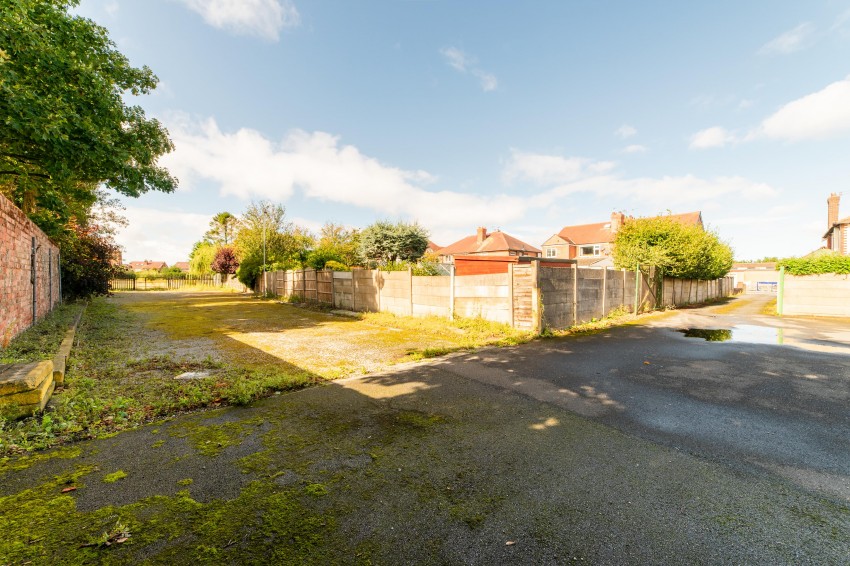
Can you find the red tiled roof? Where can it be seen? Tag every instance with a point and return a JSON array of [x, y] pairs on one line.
[[494, 242], [182, 265], [600, 232], [148, 264], [433, 247]]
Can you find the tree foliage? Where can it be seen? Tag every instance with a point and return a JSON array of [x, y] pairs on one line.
[[266, 240], [820, 264], [225, 261], [201, 258], [683, 251], [384, 242], [223, 227], [336, 239], [86, 262], [64, 126]]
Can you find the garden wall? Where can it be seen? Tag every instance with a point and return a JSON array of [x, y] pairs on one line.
[[816, 295], [529, 296], [29, 266]]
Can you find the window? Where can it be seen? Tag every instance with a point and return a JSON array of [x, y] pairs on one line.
[[551, 252], [590, 250]]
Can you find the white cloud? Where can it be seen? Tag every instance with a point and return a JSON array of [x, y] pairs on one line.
[[711, 137], [160, 235], [247, 165], [542, 169], [261, 18], [625, 131], [111, 7], [790, 41], [561, 177], [822, 114], [635, 148], [466, 64]]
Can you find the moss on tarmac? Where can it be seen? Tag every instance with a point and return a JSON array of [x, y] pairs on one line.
[[412, 466]]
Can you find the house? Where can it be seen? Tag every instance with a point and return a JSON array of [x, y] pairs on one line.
[[147, 265], [592, 244], [482, 243], [837, 231], [432, 248], [182, 266]]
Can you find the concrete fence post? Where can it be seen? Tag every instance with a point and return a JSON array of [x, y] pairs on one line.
[[575, 294], [452, 293], [604, 290], [637, 288], [780, 296], [511, 306], [410, 287]]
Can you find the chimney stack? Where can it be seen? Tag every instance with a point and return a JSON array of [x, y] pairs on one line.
[[832, 209], [482, 234], [617, 220]]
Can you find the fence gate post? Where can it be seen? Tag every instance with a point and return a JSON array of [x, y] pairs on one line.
[[780, 297]]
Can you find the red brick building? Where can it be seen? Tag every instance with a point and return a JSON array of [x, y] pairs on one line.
[[483, 244], [837, 231]]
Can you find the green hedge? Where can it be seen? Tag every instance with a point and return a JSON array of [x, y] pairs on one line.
[[816, 265]]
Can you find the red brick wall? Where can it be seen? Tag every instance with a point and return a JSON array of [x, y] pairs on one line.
[[16, 233]]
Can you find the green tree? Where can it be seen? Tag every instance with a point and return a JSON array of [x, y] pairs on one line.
[[223, 227], [336, 239], [64, 126], [201, 258], [383, 242], [265, 238], [86, 261], [683, 251]]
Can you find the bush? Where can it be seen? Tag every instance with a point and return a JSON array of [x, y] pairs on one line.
[[86, 262], [336, 266], [832, 263], [682, 251]]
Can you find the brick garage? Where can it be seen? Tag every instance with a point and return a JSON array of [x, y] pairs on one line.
[[16, 256]]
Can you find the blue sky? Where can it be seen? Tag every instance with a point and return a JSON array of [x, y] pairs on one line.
[[520, 116]]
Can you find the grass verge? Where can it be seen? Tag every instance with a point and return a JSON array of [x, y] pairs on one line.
[[41, 341], [108, 389]]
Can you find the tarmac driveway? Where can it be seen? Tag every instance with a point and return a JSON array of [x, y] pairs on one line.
[[750, 391], [560, 451]]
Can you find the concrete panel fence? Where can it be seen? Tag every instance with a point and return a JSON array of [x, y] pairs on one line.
[[529, 296], [815, 295]]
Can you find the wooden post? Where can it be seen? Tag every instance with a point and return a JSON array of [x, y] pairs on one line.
[[511, 306], [575, 294]]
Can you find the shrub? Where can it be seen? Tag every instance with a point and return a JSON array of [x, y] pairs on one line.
[[832, 263]]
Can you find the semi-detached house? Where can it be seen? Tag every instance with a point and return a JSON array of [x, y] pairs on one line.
[[592, 244]]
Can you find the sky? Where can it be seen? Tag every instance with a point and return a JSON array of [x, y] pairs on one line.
[[525, 117]]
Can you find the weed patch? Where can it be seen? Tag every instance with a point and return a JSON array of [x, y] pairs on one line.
[[41, 342]]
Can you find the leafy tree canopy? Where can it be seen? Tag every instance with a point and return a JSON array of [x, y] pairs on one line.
[[64, 127], [223, 227], [201, 258], [684, 251], [343, 242], [384, 242], [225, 261]]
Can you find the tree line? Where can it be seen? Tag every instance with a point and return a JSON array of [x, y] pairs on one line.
[[262, 239]]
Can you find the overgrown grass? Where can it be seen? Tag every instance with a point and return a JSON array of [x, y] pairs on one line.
[[459, 334], [107, 390], [41, 341]]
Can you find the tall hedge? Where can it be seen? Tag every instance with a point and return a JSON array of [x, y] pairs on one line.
[[682, 251], [833, 263]]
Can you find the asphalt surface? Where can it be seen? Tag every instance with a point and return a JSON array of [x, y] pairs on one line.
[[775, 396], [633, 446]]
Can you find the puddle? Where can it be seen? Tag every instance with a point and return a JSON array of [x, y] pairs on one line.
[[743, 333]]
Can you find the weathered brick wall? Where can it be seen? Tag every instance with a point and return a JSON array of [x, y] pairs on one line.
[[16, 293]]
